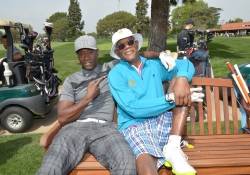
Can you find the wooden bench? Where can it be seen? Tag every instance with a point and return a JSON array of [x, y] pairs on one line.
[[220, 148]]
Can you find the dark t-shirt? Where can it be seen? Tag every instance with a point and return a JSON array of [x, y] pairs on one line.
[[184, 40]]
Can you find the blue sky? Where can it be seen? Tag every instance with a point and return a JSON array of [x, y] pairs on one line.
[[35, 12]]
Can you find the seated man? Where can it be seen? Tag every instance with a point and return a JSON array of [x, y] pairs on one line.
[[85, 114], [143, 109], [17, 54]]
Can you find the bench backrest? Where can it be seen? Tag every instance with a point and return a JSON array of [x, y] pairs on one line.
[[218, 113]]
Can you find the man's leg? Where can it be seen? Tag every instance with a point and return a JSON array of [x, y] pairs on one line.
[[179, 120], [172, 151], [111, 149], [146, 165], [66, 150]]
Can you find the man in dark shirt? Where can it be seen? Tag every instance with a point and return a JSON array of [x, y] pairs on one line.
[[185, 38], [85, 114]]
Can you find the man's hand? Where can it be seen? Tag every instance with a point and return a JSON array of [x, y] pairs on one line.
[[168, 59], [93, 89], [182, 92]]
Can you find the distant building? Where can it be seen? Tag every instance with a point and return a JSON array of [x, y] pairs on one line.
[[233, 29]]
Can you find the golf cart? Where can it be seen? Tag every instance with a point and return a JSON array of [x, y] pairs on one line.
[[28, 87]]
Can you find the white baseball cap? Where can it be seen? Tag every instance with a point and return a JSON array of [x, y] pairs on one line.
[[85, 42], [121, 34]]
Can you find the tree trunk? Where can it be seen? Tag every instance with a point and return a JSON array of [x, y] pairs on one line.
[[159, 25]]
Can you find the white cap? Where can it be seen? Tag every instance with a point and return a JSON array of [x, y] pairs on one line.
[[85, 42], [121, 34]]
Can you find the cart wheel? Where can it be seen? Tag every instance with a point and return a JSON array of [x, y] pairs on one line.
[[16, 119]]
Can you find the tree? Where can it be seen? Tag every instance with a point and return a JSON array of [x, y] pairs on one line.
[[111, 23], [60, 29], [158, 25], [142, 21], [56, 16], [204, 17], [74, 19], [235, 20], [60, 24]]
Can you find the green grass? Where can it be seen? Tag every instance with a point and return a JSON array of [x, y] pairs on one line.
[[205, 125], [235, 50], [20, 154]]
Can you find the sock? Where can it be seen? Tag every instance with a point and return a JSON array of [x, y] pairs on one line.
[[174, 140]]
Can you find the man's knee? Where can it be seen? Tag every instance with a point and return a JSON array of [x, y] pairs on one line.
[[146, 165]]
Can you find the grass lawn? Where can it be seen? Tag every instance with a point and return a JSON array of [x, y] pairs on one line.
[[20, 153], [235, 50]]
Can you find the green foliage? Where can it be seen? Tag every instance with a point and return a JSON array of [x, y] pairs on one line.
[[94, 34], [235, 20], [188, 1], [74, 19], [60, 29], [111, 23], [203, 16], [142, 21], [57, 16], [60, 23]]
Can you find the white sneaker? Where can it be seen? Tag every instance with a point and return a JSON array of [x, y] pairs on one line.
[[177, 159]]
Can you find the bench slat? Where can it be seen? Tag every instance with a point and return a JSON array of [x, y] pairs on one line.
[[225, 109], [223, 170]]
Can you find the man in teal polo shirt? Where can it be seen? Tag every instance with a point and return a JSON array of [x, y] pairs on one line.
[[142, 106]]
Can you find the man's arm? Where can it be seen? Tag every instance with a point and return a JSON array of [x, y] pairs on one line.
[[47, 137], [69, 111], [184, 71], [150, 54]]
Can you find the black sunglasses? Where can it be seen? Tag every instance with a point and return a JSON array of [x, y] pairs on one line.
[[121, 46]]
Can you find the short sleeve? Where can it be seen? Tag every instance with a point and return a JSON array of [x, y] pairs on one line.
[[67, 93]]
